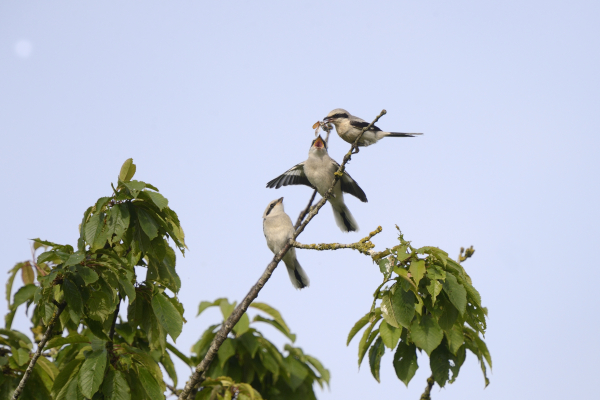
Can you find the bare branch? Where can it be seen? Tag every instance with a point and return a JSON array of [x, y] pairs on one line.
[[426, 394], [198, 375], [306, 210], [364, 245], [38, 352]]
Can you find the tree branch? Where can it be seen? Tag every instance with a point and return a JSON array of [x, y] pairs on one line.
[[38, 352], [198, 375], [306, 210], [426, 394], [364, 245]]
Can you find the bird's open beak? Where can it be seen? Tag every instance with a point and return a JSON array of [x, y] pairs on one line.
[[319, 144], [327, 119], [280, 200]]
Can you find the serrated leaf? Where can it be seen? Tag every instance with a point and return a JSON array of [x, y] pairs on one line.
[[427, 335], [75, 259], [158, 199], [226, 351], [387, 310], [73, 296], [91, 373], [456, 293], [135, 187], [20, 355], [73, 338], [149, 383], [87, 274], [99, 306], [118, 222], [168, 365], [417, 270], [128, 288], [167, 315], [439, 361], [389, 334], [455, 338], [115, 386], [127, 170], [405, 362], [403, 305], [59, 388], [448, 315], [147, 223], [357, 327], [375, 353]]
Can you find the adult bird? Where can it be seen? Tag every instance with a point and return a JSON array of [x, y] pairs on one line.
[[348, 127], [318, 173], [278, 230]]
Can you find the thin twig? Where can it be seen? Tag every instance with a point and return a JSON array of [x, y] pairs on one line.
[[306, 210], [426, 394], [38, 352], [364, 245], [198, 375]]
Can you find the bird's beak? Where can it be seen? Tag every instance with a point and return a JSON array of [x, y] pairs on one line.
[[280, 200], [319, 144], [327, 119]]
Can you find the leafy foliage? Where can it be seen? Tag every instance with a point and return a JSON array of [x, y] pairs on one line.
[[426, 302], [99, 358], [248, 357]]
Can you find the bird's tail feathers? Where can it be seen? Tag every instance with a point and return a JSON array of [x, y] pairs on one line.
[[344, 219], [400, 134], [297, 275]]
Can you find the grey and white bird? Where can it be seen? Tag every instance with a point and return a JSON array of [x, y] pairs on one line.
[[318, 173], [278, 229], [348, 127]]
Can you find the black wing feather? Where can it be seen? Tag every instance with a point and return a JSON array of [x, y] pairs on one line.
[[293, 176], [350, 186], [363, 124]]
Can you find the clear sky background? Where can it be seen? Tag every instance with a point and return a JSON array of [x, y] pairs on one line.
[[214, 99]]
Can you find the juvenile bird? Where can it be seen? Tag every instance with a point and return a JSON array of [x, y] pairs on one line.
[[348, 127], [318, 173], [278, 229]]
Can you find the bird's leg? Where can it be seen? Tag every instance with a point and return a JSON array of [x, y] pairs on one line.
[[356, 150]]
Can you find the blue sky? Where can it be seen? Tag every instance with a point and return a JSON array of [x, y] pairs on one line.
[[212, 100]]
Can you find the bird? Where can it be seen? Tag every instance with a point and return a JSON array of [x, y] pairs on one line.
[[278, 230], [348, 127], [318, 173]]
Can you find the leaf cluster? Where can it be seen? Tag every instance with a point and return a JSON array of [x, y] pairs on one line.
[[246, 356], [426, 302]]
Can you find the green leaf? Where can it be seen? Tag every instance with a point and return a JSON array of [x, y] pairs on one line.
[[73, 338], [135, 187], [96, 328], [73, 297], [20, 355], [118, 222], [276, 325], [148, 224], [455, 338], [99, 306], [27, 273], [448, 316], [92, 373], [127, 170], [158, 199], [417, 270], [87, 274], [206, 304], [75, 259], [24, 294], [66, 375], [387, 311], [179, 354], [389, 334], [226, 351], [357, 327], [403, 305], [115, 386], [375, 354], [48, 367], [249, 341], [298, 372], [365, 342], [9, 282], [271, 311], [128, 288], [456, 293], [242, 325], [150, 384], [405, 362], [167, 315], [126, 331], [439, 361], [427, 335], [168, 365]]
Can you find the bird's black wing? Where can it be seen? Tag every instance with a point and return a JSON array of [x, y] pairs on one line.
[[362, 124], [293, 176], [350, 186]]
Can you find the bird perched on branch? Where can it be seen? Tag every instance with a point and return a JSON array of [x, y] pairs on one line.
[[318, 173], [278, 229], [349, 127]]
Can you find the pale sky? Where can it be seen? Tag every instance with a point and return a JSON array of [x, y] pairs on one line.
[[213, 100]]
